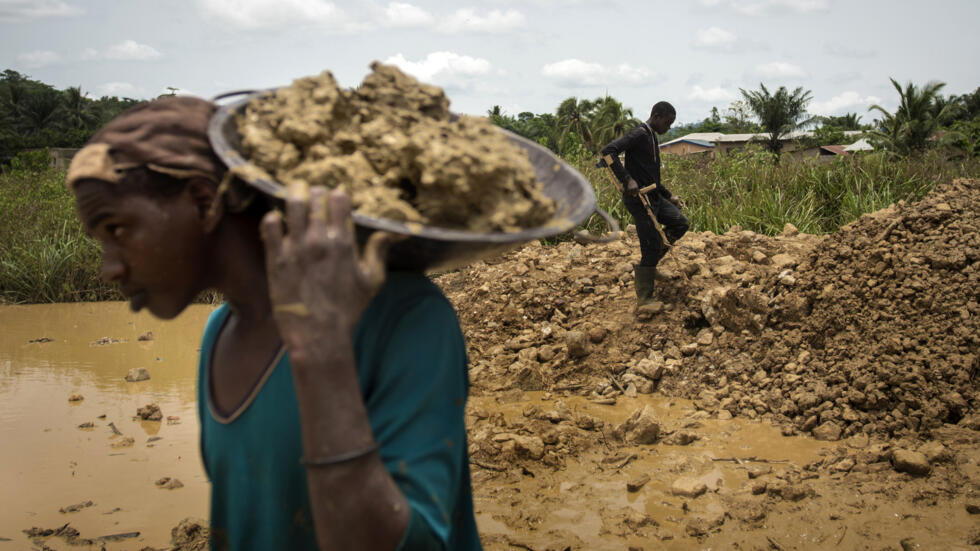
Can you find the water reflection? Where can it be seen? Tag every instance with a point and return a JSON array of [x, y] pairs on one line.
[[50, 463]]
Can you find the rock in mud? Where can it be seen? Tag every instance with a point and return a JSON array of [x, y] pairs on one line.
[[642, 427], [681, 438], [76, 398], [169, 483], [935, 452], [137, 374], [597, 334], [634, 484], [124, 442], [688, 487], [905, 461], [577, 343], [150, 412], [702, 525], [829, 431], [148, 336], [87, 425], [790, 492], [529, 446], [76, 507], [190, 534]]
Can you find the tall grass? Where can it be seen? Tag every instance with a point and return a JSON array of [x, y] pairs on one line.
[[817, 196], [46, 257], [44, 254]]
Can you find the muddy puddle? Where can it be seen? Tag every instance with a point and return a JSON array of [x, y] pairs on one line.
[[49, 463], [741, 484], [729, 484]]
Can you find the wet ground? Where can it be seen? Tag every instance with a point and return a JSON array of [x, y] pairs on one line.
[[49, 463], [729, 484]]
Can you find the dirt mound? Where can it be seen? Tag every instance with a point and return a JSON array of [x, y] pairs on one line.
[[873, 329], [394, 147]]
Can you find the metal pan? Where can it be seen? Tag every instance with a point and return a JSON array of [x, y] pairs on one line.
[[431, 248]]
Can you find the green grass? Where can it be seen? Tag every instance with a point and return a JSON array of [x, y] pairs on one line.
[[46, 257], [44, 254], [750, 191]]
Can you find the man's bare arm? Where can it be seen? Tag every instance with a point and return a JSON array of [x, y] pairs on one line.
[[319, 289]]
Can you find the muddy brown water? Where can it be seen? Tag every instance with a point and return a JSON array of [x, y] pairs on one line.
[[49, 463]]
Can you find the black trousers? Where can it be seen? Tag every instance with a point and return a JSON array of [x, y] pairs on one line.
[[671, 219]]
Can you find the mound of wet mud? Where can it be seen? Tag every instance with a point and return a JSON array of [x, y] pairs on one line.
[[392, 145], [871, 330]]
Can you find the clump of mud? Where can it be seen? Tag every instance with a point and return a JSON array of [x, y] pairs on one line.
[[874, 329], [392, 146]]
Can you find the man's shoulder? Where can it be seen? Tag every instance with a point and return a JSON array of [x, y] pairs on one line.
[[404, 293]]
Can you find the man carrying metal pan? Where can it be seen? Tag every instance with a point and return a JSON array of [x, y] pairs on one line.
[[331, 393], [656, 212]]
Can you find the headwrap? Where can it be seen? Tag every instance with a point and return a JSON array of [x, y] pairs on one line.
[[168, 136]]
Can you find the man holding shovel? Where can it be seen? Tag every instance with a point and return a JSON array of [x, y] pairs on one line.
[[656, 212]]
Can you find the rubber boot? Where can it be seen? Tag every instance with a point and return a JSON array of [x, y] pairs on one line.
[[643, 280]]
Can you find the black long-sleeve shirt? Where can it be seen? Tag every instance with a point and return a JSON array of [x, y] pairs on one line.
[[642, 158]]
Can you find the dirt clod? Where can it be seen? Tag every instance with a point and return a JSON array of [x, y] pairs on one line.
[[137, 374], [393, 147], [150, 412]]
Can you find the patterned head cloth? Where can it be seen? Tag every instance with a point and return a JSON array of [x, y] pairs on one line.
[[168, 136]]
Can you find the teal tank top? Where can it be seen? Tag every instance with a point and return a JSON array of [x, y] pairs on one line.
[[411, 364]]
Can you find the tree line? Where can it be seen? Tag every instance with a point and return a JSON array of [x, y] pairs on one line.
[[924, 119], [36, 115]]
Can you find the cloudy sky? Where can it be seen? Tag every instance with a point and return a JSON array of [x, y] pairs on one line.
[[524, 55]]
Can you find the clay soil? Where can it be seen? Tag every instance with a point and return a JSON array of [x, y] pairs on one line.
[[394, 147], [788, 392]]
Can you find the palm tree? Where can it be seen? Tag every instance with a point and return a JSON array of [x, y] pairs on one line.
[[849, 121], [908, 130], [611, 120], [779, 113], [78, 108], [575, 117], [42, 110]]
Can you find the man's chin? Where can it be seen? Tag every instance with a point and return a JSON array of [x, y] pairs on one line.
[[161, 311]]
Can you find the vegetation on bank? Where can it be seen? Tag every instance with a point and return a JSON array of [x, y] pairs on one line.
[[930, 139], [46, 257], [44, 254]]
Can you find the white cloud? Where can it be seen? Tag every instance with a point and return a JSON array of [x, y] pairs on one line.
[[575, 72], [714, 38], [847, 101], [778, 69], [89, 54], [38, 58], [265, 14], [22, 10], [130, 50], [495, 21], [122, 89], [710, 95], [771, 7], [400, 14], [442, 67]]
